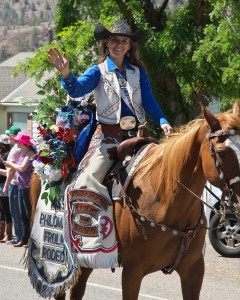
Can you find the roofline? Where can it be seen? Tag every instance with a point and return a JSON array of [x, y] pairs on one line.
[[18, 104], [14, 91]]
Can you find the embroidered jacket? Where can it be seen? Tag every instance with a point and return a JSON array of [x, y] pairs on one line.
[[107, 93], [138, 86]]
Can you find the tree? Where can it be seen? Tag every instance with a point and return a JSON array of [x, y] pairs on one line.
[[191, 50], [22, 43], [33, 7], [3, 53], [34, 38]]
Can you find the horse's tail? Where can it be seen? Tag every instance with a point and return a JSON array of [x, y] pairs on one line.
[[35, 190]]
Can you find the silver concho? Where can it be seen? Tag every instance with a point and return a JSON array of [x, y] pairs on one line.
[[128, 123]]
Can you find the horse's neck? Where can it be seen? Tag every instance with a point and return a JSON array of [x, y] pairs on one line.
[[174, 199]]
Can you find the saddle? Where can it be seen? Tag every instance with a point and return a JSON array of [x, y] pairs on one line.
[[128, 154]]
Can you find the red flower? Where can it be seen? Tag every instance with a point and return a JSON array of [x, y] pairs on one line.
[[60, 133], [68, 164], [43, 156], [44, 131], [69, 135]]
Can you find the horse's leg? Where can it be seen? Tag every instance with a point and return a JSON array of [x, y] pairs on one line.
[[131, 282], [191, 276], [78, 289]]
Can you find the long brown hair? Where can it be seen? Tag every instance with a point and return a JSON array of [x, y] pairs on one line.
[[132, 56]]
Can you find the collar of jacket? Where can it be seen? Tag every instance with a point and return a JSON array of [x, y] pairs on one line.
[[133, 78], [111, 65]]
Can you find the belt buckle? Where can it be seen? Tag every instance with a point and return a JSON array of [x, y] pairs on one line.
[[128, 123]]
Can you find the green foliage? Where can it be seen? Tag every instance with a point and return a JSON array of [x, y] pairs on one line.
[[191, 52], [217, 58], [52, 193], [54, 97]]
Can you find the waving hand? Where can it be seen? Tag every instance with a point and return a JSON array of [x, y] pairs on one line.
[[60, 62]]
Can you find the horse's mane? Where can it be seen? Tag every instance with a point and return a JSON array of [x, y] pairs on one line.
[[172, 153]]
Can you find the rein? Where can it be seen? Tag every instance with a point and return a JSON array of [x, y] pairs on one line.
[[217, 212], [200, 199]]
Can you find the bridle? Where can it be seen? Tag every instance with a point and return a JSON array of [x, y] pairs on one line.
[[227, 190]]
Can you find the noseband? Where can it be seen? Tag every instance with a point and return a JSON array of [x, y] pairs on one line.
[[227, 183]]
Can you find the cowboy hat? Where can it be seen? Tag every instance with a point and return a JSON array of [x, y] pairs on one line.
[[24, 138], [119, 28]]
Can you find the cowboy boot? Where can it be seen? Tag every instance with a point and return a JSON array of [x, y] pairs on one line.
[[2, 229], [8, 235]]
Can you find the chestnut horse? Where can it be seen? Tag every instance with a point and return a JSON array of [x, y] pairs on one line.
[[162, 226]]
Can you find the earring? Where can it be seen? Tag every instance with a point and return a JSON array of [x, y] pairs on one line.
[[127, 55]]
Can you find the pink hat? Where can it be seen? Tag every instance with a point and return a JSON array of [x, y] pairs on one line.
[[24, 138]]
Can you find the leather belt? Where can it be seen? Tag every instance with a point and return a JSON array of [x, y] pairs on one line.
[[113, 131]]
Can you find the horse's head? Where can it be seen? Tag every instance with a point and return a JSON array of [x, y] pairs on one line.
[[222, 164]]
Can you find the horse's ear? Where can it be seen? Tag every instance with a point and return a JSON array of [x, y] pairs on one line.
[[212, 121], [236, 108]]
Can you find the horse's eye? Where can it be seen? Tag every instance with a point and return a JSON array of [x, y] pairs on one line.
[[221, 153]]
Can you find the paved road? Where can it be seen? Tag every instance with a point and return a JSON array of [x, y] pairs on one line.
[[221, 281]]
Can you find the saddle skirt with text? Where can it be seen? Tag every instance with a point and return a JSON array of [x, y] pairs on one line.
[[89, 228]]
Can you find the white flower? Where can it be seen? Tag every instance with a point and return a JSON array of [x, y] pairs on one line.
[[38, 166], [41, 144], [55, 175], [43, 177], [47, 170], [39, 169], [39, 140]]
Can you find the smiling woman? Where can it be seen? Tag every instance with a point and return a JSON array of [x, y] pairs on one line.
[[123, 94], [117, 47]]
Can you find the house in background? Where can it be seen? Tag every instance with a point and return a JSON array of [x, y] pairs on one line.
[[12, 89]]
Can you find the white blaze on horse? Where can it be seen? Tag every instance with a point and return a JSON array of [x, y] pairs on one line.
[[162, 226]]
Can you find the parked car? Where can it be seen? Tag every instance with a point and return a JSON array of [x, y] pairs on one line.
[[226, 238]]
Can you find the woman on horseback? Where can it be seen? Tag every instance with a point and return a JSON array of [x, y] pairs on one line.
[[123, 94]]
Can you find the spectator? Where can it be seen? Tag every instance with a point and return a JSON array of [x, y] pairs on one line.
[[11, 186], [23, 168], [5, 215]]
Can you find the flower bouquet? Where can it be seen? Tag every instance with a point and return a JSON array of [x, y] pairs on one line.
[[56, 159]]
